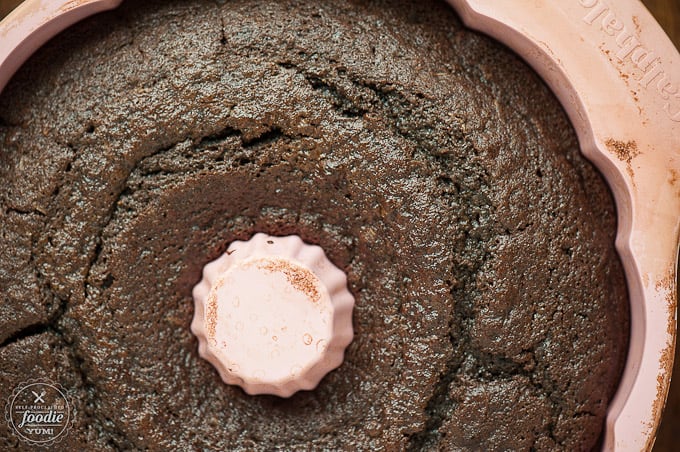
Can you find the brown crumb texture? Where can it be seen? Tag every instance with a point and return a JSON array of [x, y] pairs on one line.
[[429, 163]]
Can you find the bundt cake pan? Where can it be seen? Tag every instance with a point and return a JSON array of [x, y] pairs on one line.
[[617, 75]]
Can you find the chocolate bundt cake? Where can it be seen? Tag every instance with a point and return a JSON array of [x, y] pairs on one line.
[[430, 164]]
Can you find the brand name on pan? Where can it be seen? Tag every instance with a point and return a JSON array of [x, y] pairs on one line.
[[629, 48]]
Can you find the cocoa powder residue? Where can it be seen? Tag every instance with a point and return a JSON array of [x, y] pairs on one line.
[[624, 150], [298, 277], [211, 310], [667, 283]]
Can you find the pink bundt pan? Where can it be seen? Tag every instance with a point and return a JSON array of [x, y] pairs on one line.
[[618, 77]]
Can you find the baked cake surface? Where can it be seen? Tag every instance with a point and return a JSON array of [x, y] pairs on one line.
[[429, 163]]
